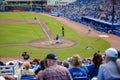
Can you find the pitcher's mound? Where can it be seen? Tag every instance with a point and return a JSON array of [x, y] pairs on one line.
[[51, 44]]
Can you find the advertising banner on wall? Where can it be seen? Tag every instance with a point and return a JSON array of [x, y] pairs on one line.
[[59, 2], [53, 2]]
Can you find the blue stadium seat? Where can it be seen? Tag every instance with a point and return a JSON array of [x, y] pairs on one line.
[[81, 78], [115, 79], [28, 78]]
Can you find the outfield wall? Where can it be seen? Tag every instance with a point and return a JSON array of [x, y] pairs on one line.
[[24, 5]]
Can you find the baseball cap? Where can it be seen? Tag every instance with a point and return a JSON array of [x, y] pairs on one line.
[[51, 56], [111, 52]]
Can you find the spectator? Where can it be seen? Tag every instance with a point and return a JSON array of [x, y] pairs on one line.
[[11, 63], [26, 69], [6, 77], [42, 66], [54, 71], [76, 70], [118, 61], [25, 56], [65, 64], [35, 63], [1, 63], [93, 68], [118, 64], [1, 77], [109, 70], [118, 53], [40, 70]]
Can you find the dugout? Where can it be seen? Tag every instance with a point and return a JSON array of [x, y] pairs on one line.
[[101, 25], [116, 30]]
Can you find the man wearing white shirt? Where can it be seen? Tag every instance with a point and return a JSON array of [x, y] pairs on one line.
[[108, 70]]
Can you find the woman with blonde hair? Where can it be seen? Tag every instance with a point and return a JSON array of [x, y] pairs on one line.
[[76, 70], [26, 69]]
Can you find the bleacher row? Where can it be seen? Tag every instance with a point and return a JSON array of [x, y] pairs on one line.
[[11, 70], [14, 68], [14, 71], [97, 14], [80, 69]]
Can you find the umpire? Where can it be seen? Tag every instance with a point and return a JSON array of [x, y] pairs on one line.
[[62, 31]]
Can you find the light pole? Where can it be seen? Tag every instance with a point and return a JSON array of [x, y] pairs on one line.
[[113, 11]]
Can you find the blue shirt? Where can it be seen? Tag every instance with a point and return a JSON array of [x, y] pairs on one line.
[[92, 71], [76, 73]]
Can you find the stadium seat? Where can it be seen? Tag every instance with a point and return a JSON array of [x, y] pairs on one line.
[[115, 79], [28, 78], [81, 78]]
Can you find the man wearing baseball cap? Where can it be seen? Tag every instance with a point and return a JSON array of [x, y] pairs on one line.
[[108, 70], [54, 71], [118, 61]]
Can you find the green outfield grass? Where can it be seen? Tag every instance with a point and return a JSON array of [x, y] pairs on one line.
[[22, 33], [19, 33]]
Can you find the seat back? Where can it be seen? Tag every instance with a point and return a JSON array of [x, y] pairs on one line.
[[28, 78], [81, 78], [115, 79]]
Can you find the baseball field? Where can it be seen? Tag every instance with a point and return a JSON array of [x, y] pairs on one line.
[[19, 33]]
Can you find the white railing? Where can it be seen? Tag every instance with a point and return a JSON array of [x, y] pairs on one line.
[[11, 70]]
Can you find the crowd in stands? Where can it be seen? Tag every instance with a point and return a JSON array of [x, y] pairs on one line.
[[100, 15], [100, 66], [100, 9]]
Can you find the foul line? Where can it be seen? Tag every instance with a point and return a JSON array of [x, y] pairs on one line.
[[44, 31]]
